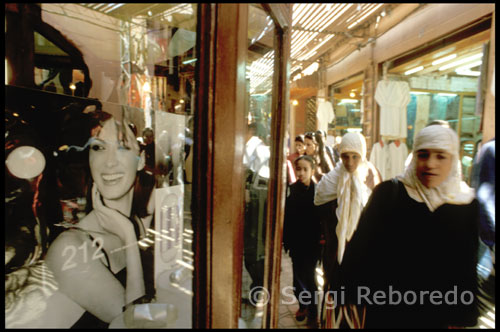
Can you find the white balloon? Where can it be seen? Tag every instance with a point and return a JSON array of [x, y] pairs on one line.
[[25, 162]]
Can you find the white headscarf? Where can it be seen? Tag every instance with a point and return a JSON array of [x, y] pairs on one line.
[[452, 190], [349, 189]]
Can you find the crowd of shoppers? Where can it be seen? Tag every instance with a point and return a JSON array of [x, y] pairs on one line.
[[400, 253]]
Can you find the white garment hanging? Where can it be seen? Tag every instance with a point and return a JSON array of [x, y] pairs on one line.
[[378, 157], [393, 97], [396, 159], [324, 115]]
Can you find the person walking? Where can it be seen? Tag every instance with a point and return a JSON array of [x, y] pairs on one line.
[[301, 238], [416, 243]]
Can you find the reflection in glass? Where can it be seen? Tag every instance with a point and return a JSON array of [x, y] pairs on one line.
[[259, 75], [141, 59]]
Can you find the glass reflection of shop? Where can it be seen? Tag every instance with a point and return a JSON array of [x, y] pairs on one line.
[[145, 68], [257, 156], [347, 98]]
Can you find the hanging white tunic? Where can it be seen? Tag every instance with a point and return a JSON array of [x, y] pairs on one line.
[[396, 160], [393, 97], [324, 115], [378, 157]]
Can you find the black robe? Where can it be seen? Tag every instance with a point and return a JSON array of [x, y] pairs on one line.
[[400, 245]]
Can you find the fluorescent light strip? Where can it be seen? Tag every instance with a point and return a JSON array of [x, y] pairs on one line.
[[447, 94], [462, 61], [446, 58], [468, 72], [470, 65], [414, 70]]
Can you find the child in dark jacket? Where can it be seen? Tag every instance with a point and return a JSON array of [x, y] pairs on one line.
[[301, 238]]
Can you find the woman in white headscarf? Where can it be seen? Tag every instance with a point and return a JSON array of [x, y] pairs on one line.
[[340, 196], [412, 261]]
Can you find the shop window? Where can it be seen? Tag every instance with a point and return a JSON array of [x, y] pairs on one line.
[[257, 155], [347, 105], [141, 59]]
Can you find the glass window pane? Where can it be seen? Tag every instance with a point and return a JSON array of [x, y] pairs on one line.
[[111, 200], [259, 75]]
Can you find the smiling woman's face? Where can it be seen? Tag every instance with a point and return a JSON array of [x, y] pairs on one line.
[[113, 162], [433, 166]]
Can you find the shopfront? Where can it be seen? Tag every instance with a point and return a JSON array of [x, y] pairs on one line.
[[199, 92], [439, 65]]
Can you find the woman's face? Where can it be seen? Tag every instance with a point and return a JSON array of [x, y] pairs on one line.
[[310, 147], [433, 166], [350, 160], [300, 147], [113, 162]]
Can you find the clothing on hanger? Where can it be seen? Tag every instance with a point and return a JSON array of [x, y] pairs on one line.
[[324, 114], [393, 97]]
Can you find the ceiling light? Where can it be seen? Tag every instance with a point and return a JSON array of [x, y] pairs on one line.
[[352, 94], [468, 72], [446, 58], [418, 93], [462, 61], [470, 65], [189, 61], [295, 102], [348, 101], [414, 70], [447, 94]]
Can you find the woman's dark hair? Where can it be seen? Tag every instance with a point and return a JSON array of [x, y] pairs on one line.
[[321, 153], [306, 158], [299, 138], [312, 136], [74, 177]]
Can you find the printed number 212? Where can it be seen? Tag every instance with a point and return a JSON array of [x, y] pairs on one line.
[[71, 250]]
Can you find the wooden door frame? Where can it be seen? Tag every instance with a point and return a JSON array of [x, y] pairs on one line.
[[218, 174]]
